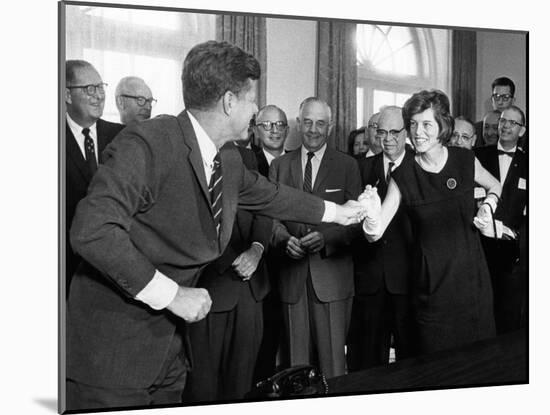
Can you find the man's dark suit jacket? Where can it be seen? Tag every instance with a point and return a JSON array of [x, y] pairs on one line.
[[389, 258], [219, 278], [148, 208], [263, 165], [513, 198], [332, 268], [78, 178]]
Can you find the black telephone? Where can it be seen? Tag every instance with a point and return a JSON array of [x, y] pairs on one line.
[[299, 380]]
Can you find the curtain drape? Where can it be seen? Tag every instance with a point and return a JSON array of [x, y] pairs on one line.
[[249, 33], [464, 62], [337, 77]]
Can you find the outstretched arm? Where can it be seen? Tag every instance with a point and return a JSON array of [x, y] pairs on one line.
[[379, 215]]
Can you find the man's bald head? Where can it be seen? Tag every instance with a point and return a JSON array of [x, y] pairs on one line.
[[130, 92]]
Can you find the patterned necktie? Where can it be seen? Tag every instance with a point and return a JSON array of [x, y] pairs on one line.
[[89, 150], [506, 153], [388, 175], [307, 173], [215, 189]]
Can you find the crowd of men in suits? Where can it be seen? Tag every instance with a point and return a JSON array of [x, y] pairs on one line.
[[256, 277]]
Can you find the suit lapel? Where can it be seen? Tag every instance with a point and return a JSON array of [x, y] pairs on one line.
[[513, 174], [493, 166], [324, 169], [101, 139], [74, 155], [230, 196], [380, 176], [296, 169], [194, 157]]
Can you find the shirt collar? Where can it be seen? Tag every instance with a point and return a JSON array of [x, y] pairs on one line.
[[317, 154], [76, 129], [268, 156], [499, 147], [206, 145], [396, 163]]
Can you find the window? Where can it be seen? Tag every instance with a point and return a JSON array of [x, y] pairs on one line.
[[150, 44], [395, 61]]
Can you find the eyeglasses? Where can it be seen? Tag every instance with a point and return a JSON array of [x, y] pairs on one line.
[[463, 137], [372, 125], [384, 133], [268, 125], [91, 89], [503, 97], [511, 123], [141, 101]]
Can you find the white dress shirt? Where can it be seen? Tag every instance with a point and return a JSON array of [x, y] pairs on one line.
[[396, 163], [315, 162], [504, 162], [79, 137]]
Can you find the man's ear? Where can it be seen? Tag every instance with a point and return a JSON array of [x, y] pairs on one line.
[[228, 102], [298, 124], [474, 139], [522, 131], [119, 102], [68, 97], [330, 127]]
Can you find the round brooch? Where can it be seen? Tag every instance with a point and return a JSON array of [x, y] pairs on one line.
[[451, 183]]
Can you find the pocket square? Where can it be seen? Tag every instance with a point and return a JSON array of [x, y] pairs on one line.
[[332, 190]]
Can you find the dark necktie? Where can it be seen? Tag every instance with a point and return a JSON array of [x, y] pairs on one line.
[[215, 189], [506, 153], [89, 150], [388, 175], [307, 173]]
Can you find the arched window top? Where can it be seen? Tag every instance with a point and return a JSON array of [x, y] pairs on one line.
[[390, 50]]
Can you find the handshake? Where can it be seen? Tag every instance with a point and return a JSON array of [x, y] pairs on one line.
[[367, 206]]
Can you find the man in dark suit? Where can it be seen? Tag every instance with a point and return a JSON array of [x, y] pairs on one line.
[[225, 344], [508, 163], [381, 307], [158, 211], [271, 129], [86, 137], [316, 277]]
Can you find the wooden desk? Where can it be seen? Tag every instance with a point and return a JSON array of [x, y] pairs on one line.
[[501, 360]]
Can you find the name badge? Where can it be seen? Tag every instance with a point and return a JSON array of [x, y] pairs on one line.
[[479, 192], [522, 184]]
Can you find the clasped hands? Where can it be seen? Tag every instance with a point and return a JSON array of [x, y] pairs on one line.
[[309, 244]]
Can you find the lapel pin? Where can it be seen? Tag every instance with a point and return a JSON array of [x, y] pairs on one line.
[[451, 183]]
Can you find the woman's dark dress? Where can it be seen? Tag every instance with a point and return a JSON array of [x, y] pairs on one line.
[[452, 288]]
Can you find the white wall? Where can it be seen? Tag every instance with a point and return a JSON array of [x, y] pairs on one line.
[[291, 67], [500, 54]]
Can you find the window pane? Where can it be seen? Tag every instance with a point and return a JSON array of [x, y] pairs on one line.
[[360, 107], [382, 98]]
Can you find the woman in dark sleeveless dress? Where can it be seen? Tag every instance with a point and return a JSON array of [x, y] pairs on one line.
[[452, 289]]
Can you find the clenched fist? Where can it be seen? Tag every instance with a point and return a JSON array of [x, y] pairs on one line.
[[191, 304]]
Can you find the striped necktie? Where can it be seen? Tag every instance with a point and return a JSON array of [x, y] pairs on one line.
[[215, 189], [388, 175], [307, 173]]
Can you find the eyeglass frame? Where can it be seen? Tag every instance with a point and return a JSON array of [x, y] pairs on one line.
[[152, 101], [279, 125], [513, 123], [504, 97], [456, 134], [96, 87], [384, 133]]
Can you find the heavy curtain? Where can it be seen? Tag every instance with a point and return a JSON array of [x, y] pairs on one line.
[[249, 33], [337, 77], [464, 61]]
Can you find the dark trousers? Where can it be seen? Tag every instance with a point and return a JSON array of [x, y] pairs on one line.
[[374, 319], [271, 344], [316, 331], [509, 280], [166, 389], [225, 347]]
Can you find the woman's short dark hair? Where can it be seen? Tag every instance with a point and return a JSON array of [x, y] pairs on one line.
[[439, 103], [351, 138], [212, 68]]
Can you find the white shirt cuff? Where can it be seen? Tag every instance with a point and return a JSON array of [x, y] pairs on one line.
[[371, 227], [160, 292], [259, 244], [330, 212]]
